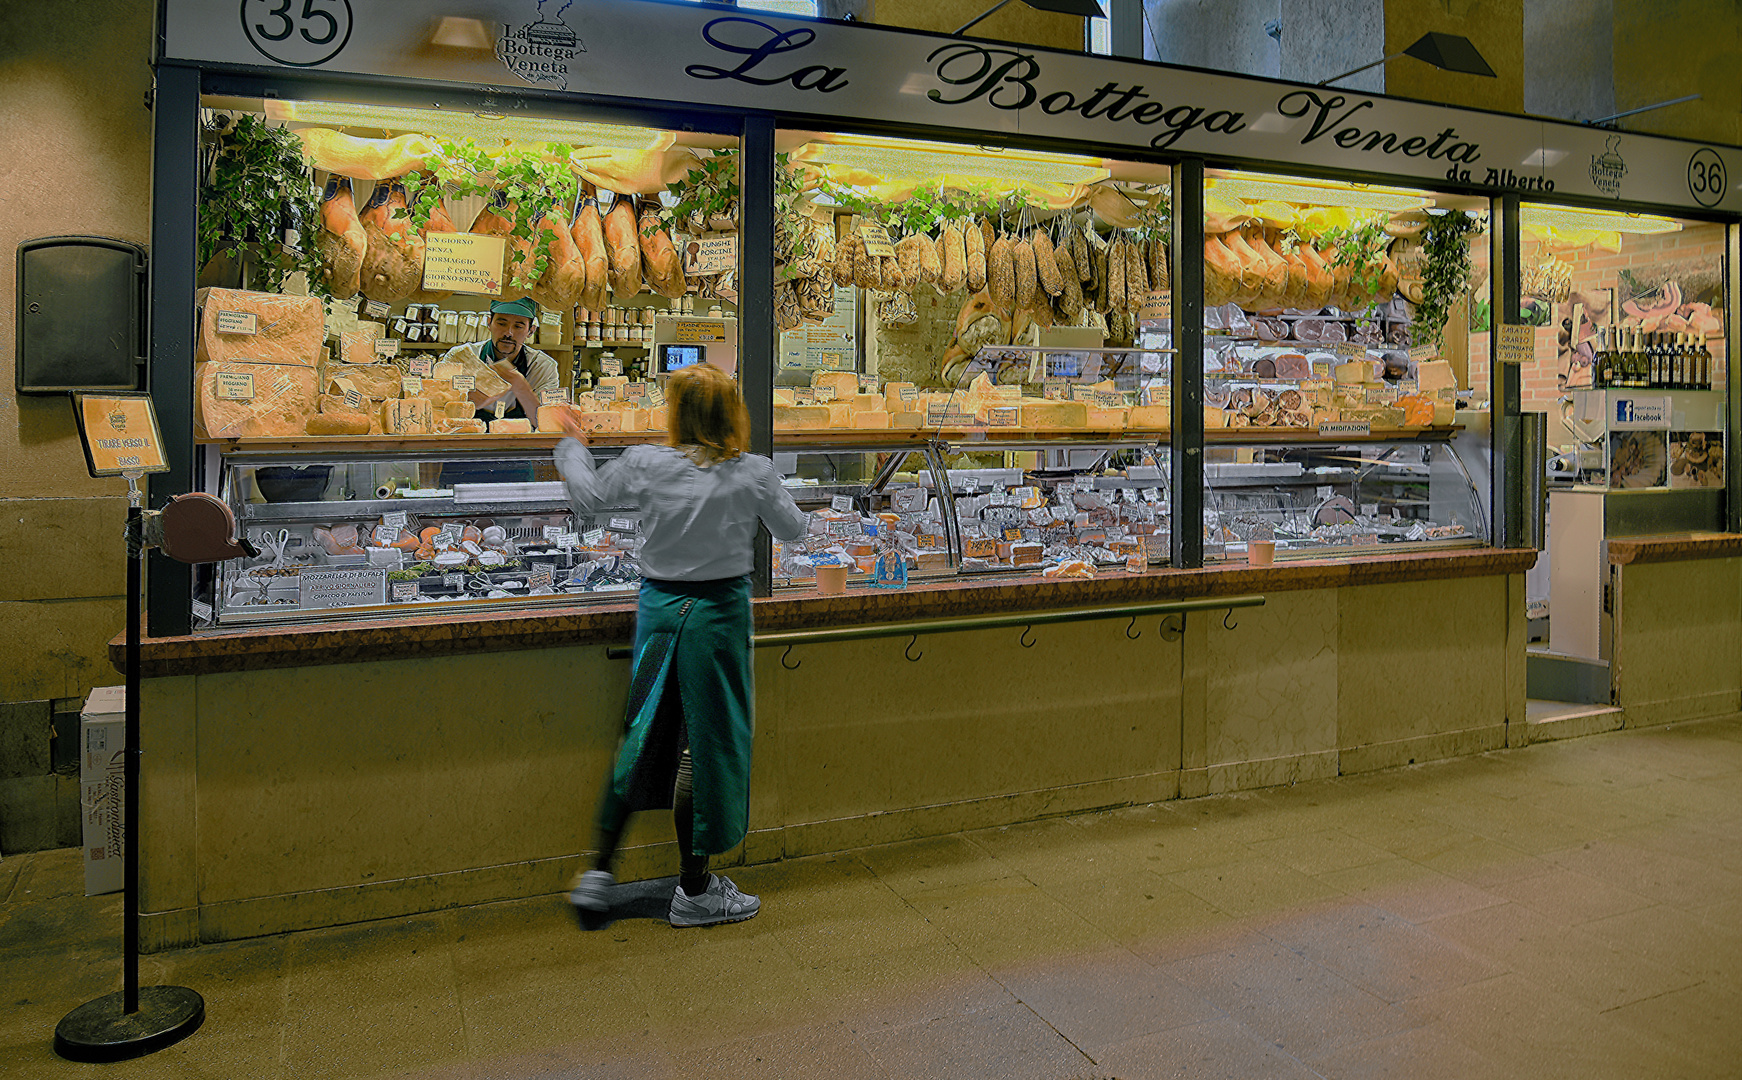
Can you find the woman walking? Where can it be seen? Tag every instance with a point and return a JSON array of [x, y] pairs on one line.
[[691, 696]]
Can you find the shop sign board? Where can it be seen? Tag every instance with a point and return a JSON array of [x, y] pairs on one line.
[[821, 69]]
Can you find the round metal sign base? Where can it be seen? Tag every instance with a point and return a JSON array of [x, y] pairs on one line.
[[99, 1030]]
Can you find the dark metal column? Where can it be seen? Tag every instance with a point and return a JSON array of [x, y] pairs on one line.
[[757, 336], [1186, 461], [1505, 396], [1125, 27], [175, 195], [1731, 365]]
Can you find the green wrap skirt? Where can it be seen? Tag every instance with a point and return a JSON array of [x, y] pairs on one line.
[[692, 678]]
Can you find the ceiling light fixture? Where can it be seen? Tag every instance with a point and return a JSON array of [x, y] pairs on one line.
[[909, 159], [1566, 218], [1252, 188], [1448, 52]]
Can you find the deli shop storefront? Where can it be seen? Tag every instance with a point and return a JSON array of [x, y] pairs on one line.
[[1167, 428]]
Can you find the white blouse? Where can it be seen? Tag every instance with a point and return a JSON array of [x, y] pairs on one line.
[[697, 524]]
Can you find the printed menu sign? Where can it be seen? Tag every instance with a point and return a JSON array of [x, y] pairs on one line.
[[120, 434], [463, 262]]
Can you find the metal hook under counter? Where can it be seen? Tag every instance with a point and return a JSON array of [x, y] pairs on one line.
[[908, 652], [790, 667]]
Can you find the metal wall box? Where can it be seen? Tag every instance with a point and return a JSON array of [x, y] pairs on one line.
[[81, 315]]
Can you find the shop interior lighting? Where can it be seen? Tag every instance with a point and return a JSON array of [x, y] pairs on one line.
[[1313, 193], [477, 126], [1566, 219], [909, 160]]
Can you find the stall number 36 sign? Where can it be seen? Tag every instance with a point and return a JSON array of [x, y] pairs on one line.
[[297, 33]]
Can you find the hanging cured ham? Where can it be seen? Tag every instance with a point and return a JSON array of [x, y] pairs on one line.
[[588, 233], [624, 246], [341, 242], [658, 255], [565, 273], [494, 220], [393, 265]]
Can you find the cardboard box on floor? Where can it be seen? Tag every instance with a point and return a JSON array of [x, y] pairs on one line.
[[102, 786]]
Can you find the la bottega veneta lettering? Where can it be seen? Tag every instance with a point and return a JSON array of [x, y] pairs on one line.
[[1009, 80]]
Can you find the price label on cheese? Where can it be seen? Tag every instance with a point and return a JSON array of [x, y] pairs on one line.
[[396, 519], [877, 243], [235, 386], [635, 391], [566, 541], [594, 537], [841, 503], [611, 365], [539, 578], [909, 394], [824, 394], [1422, 353], [1056, 390], [465, 384], [401, 591], [238, 322], [619, 524], [420, 364], [385, 535], [655, 396], [448, 536], [804, 395], [502, 408], [387, 346], [375, 309], [553, 397], [411, 385], [1151, 494], [1003, 416], [1082, 393], [1012, 534], [1345, 427], [867, 384], [551, 532], [1109, 399], [927, 540], [551, 318], [604, 395]]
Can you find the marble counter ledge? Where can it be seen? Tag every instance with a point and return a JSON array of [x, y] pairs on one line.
[[1675, 547], [612, 623]]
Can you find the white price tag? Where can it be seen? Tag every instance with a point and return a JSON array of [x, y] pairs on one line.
[[465, 384], [238, 322], [401, 591], [502, 408], [551, 532], [842, 503], [595, 537], [397, 519], [622, 524], [611, 365], [1151, 494], [412, 385], [385, 535], [539, 578], [655, 396], [375, 309], [386, 346], [234, 386], [420, 364], [554, 397], [825, 394], [449, 536], [566, 541]]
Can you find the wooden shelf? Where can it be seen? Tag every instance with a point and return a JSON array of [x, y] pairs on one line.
[[425, 346]]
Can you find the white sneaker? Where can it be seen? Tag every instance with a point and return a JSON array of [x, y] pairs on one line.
[[591, 890], [721, 903]]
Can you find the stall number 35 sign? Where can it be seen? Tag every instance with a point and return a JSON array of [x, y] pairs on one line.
[[297, 33]]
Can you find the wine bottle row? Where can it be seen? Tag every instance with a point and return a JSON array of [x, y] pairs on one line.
[[1634, 359]]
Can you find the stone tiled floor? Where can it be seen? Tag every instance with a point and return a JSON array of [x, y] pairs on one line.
[[1573, 909]]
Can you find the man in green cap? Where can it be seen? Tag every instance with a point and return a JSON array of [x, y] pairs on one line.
[[529, 372]]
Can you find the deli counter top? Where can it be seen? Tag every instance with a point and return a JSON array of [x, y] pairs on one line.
[[450, 632], [1674, 547]]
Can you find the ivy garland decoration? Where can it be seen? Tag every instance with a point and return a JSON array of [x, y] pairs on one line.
[[1361, 248], [258, 177], [1445, 275], [529, 180]]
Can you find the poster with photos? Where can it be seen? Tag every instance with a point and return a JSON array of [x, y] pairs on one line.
[[1696, 459], [1638, 459]]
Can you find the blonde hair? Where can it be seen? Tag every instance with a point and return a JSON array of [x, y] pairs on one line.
[[705, 414]]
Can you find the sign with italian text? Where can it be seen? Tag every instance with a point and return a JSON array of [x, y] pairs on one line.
[[463, 262], [120, 434]]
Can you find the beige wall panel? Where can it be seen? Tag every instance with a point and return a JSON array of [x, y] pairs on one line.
[[1421, 659], [59, 548], [169, 792], [1017, 22], [1495, 27], [1679, 640], [58, 648], [1272, 689], [75, 158], [1666, 51], [865, 731], [335, 776]]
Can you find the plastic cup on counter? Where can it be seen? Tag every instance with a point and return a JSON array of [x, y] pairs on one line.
[[832, 580], [1260, 552]]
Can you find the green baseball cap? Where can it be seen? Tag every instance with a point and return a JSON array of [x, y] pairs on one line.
[[524, 307]]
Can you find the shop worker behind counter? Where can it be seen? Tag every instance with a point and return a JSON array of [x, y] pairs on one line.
[[687, 739], [529, 373]]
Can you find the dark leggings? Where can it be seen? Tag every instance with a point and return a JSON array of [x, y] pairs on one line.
[[692, 868]]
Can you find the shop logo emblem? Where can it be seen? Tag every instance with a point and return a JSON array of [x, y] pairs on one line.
[[118, 420], [540, 52], [1706, 177], [1608, 168], [304, 35]]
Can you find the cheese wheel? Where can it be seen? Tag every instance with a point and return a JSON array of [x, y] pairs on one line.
[[550, 417], [1149, 416], [840, 416], [906, 420], [878, 419], [1049, 414], [517, 426], [867, 402], [1106, 419], [606, 420], [469, 426], [845, 384], [407, 416], [892, 396]]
